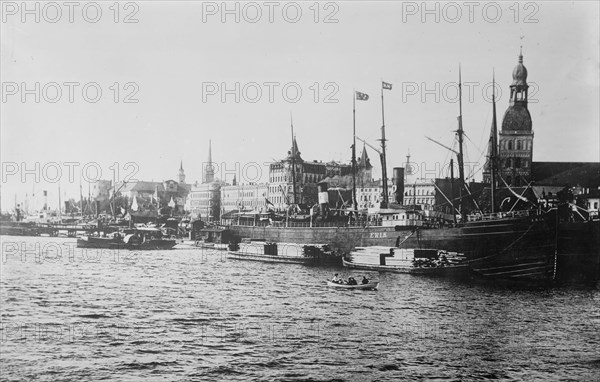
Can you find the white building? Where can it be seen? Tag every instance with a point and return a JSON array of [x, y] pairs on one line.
[[244, 197], [204, 201], [420, 193], [370, 195]]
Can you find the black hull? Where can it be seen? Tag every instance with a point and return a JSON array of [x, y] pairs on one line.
[[578, 255], [516, 249], [520, 248]]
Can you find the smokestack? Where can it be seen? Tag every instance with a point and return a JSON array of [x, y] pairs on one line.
[[323, 198], [399, 182]]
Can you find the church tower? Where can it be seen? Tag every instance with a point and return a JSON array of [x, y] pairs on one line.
[[209, 170], [515, 149], [181, 173], [365, 169]]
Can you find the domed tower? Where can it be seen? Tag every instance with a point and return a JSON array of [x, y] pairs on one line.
[[181, 173], [516, 136]]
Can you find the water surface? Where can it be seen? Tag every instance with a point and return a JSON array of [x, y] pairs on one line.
[[188, 314]]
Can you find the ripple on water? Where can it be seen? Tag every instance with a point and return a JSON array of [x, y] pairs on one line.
[[177, 313]]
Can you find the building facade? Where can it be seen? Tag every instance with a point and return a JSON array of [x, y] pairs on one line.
[[421, 193], [370, 195], [282, 178], [205, 201], [244, 197]]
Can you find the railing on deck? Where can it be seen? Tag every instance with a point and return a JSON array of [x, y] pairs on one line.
[[283, 224], [501, 215]]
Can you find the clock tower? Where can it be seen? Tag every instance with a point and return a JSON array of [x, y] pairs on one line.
[[515, 149]]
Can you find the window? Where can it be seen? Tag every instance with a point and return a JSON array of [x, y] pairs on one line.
[[519, 145], [510, 145]]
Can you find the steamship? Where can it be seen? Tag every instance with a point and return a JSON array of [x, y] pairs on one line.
[[517, 245]]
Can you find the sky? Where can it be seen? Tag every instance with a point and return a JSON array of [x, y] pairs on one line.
[[160, 82]]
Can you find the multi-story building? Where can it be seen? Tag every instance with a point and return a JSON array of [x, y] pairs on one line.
[[370, 194], [244, 197], [205, 201], [282, 178]]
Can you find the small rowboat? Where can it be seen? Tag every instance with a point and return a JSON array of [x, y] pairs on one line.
[[369, 286]]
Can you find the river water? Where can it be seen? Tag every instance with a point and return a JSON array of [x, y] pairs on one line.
[[189, 314]]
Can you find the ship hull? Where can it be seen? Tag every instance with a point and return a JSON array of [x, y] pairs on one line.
[[520, 248], [578, 252]]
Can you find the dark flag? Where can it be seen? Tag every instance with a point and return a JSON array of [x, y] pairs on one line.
[[385, 85], [361, 96]]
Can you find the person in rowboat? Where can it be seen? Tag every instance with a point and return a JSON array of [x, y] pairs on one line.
[[365, 280], [336, 279]]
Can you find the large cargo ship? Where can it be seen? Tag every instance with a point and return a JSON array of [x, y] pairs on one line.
[[532, 244], [517, 246]]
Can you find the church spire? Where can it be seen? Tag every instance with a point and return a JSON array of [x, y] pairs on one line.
[[519, 87], [294, 152], [521, 55], [365, 162], [209, 171], [181, 174]]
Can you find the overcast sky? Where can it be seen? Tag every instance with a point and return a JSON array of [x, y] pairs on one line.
[[177, 51]]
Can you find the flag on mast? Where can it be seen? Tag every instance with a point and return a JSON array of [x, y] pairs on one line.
[[386, 86], [361, 96]]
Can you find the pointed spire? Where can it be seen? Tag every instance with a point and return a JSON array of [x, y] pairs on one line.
[[209, 171], [493, 84], [365, 162], [521, 55], [294, 152], [181, 173]]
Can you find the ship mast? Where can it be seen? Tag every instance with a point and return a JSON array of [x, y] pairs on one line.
[[452, 189], [494, 146], [354, 153], [81, 197], [383, 158], [293, 160], [59, 205], [461, 168]]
